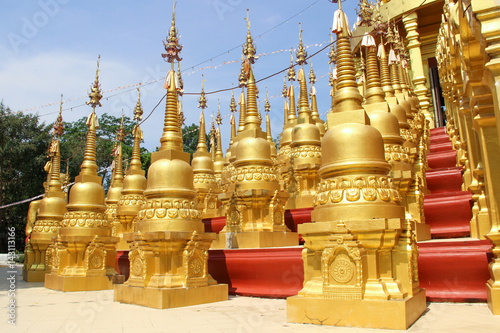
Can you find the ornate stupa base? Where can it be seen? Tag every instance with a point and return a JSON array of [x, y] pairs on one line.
[[385, 314], [83, 263], [169, 269], [30, 275], [255, 239], [82, 283], [493, 297], [164, 298]]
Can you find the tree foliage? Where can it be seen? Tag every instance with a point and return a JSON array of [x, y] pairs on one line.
[[24, 143]]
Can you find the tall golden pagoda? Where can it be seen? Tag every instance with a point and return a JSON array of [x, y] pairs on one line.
[[83, 256], [205, 182], [169, 253], [350, 275], [116, 187], [51, 210], [134, 184], [305, 154], [253, 201]]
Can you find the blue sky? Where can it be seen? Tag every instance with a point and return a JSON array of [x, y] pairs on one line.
[[49, 47]]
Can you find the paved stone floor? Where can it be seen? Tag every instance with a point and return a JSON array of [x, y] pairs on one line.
[[42, 310]]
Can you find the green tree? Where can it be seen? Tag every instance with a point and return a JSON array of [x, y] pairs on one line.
[[24, 143]]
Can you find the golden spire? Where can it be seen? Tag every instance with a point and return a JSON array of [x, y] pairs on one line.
[[374, 92], [267, 105], [284, 94], [291, 70], [172, 133], [118, 156], [249, 48], [202, 136], [291, 109], [172, 46], [301, 51], [347, 96], [212, 139], [54, 183], [384, 70], [314, 103], [252, 117], [232, 106], [232, 121], [135, 161], [89, 166], [218, 120], [243, 76], [332, 55], [243, 111], [138, 112], [304, 110]]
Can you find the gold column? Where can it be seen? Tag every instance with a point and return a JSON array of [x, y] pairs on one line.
[[116, 187], [411, 24], [169, 250]]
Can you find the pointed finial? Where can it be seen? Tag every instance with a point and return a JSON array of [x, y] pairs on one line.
[[332, 55], [291, 70], [179, 77], [120, 135], [312, 76], [218, 119], [138, 108], [301, 51], [59, 125], [267, 106], [284, 91], [243, 76], [365, 13], [95, 94], [172, 46], [249, 49], [232, 106], [202, 100]]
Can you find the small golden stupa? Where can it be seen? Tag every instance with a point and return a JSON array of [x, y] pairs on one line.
[[134, 184], [83, 256], [51, 210], [116, 186], [169, 250], [351, 275], [253, 201], [305, 153], [205, 182]]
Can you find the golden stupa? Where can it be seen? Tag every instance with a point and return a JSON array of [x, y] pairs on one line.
[[51, 210], [169, 250], [134, 184], [83, 254], [351, 252], [305, 147], [205, 182], [254, 202], [116, 186]]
